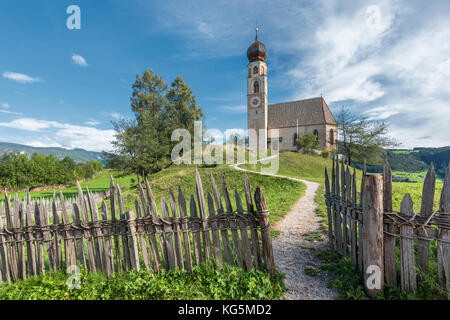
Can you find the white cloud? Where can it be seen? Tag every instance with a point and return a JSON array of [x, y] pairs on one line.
[[53, 133], [5, 106], [380, 113], [28, 124], [11, 112], [19, 77], [79, 60], [92, 122], [116, 115]]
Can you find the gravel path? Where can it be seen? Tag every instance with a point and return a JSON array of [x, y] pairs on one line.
[[295, 250]]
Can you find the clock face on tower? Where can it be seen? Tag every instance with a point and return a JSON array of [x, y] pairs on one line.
[[255, 101]]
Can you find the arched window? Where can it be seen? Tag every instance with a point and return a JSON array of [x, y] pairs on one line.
[[316, 133], [331, 136], [295, 139], [262, 70], [256, 87], [255, 70]]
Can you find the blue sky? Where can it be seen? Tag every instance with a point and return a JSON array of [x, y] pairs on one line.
[[385, 59]]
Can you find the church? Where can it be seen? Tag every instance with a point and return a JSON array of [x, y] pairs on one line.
[[292, 118]]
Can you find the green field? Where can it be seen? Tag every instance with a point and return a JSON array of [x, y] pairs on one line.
[[99, 183], [414, 188]]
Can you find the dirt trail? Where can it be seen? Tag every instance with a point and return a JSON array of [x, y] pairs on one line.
[[295, 250]]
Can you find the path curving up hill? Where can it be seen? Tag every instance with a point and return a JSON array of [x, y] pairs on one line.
[[294, 254]]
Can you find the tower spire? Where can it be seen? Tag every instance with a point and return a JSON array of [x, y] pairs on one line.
[[256, 37]]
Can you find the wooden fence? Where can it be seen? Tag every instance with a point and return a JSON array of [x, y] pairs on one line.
[[99, 240], [46, 202], [364, 227]]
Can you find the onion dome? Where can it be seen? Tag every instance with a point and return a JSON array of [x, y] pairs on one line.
[[257, 50]]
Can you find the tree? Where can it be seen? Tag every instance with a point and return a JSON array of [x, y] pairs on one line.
[[308, 142], [143, 145], [236, 138], [182, 110], [361, 138]]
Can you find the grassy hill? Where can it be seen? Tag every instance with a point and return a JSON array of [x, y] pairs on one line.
[[78, 155], [308, 167]]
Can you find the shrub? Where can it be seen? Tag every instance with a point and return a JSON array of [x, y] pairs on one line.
[[307, 143], [325, 153]]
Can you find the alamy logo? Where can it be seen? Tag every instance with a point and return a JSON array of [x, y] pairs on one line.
[[74, 20], [73, 282], [374, 280]]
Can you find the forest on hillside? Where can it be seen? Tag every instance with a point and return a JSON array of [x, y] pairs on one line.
[[19, 171], [416, 160]]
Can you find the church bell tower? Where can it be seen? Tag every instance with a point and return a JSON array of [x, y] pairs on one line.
[[257, 94]]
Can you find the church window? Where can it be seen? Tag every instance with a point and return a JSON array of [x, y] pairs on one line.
[[331, 136], [262, 70], [255, 70], [316, 133], [256, 87]]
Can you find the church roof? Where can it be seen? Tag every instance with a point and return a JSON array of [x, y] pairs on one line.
[[308, 112]]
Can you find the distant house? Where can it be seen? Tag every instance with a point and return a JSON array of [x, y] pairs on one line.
[[290, 118]]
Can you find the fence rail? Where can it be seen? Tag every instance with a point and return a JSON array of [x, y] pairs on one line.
[[33, 242], [365, 227]]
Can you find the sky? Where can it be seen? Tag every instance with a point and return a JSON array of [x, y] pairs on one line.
[[60, 87]]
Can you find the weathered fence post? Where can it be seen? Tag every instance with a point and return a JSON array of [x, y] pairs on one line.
[[328, 203], [372, 234], [338, 220], [407, 261], [263, 217], [443, 247], [426, 209], [389, 239]]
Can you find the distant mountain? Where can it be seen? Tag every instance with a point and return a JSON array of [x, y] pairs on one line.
[[78, 155]]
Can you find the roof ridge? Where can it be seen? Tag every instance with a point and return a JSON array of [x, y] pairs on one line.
[[309, 111], [293, 101]]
